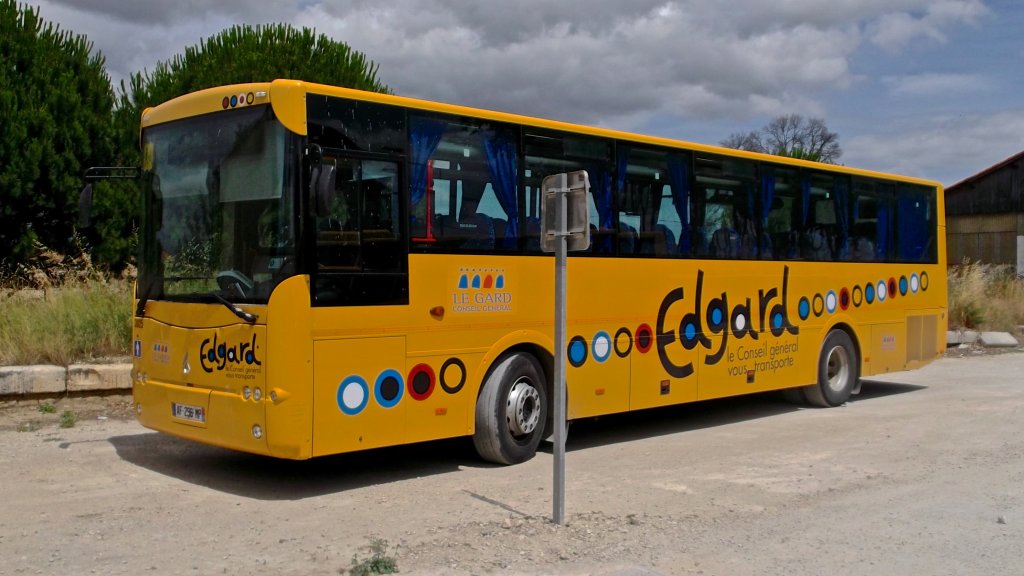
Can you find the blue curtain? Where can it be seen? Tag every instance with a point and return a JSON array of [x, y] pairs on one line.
[[805, 200], [767, 197], [912, 223], [424, 136], [679, 178], [883, 234], [601, 188], [503, 163], [841, 201], [621, 165]]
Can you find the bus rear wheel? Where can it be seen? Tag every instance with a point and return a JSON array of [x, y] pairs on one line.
[[838, 371], [511, 411]]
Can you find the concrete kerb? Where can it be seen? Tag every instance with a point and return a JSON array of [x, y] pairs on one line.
[[46, 379]]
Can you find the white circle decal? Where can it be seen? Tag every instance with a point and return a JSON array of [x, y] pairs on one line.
[[353, 396]]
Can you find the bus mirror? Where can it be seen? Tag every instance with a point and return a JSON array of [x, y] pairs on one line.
[[325, 189], [85, 207]]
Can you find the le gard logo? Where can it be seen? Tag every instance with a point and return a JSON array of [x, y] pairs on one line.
[[481, 290]]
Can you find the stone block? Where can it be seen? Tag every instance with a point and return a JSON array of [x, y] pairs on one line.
[[954, 337], [968, 337], [95, 377], [998, 340], [40, 379]]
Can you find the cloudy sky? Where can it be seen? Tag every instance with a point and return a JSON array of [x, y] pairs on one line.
[[930, 88]]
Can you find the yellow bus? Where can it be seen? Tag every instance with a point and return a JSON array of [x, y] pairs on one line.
[[324, 270]]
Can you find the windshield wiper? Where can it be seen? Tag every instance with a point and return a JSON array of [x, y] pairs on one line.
[[250, 318]]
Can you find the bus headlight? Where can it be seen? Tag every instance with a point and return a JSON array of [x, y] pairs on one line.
[[257, 394], [246, 393], [257, 432]]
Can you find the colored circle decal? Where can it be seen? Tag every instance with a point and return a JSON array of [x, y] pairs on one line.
[[915, 283], [804, 308], [857, 295], [623, 342], [577, 351], [387, 390], [715, 316], [602, 346], [831, 301], [449, 369], [353, 394], [892, 288], [644, 338], [421, 382], [818, 304], [869, 293], [739, 322], [904, 285], [924, 280], [882, 291], [777, 320], [844, 298]]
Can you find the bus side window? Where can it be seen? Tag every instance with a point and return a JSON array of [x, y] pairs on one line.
[[465, 182], [550, 153]]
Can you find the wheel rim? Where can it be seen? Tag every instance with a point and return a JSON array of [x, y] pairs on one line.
[[838, 369], [523, 408]]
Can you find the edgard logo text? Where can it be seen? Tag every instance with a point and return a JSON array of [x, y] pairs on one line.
[[482, 290], [214, 355]]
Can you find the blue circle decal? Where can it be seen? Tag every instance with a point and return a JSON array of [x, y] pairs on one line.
[[804, 308], [353, 394], [903, 286], [388, 388], [869, 293], [577, 351]]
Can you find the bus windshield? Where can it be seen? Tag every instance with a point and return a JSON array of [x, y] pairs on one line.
[[220, 207]]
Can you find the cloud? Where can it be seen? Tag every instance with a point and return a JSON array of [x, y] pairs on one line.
[[934, 84], [896, 30], [181, 11], [605, 62], [947, 149]]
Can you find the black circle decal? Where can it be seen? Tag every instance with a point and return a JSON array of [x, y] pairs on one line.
[[450, 365], [389, 388], [624, 337]]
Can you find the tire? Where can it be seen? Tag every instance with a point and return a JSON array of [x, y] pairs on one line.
[[511, 410], [838, 372]]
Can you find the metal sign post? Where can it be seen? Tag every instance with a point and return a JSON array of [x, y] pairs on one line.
[[566, 227]]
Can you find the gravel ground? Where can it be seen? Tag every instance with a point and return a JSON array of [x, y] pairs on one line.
[[920, 474]]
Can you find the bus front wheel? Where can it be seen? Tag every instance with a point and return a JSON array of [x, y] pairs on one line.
[[511, 411], [838, 371]]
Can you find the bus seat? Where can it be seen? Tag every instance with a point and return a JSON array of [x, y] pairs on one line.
[[500, 226], [533, 234], [627, 238], [725, 243], [477, 230]]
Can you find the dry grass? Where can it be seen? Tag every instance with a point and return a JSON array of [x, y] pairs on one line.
[[60, 310], [985, 297]]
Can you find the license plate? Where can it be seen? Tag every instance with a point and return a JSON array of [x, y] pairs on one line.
[[186, 412]]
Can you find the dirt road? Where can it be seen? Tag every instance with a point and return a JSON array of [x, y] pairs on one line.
[[921, 474]]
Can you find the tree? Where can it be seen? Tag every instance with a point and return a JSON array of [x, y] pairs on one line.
[[793, 136], [55, 103], [236, 55]]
